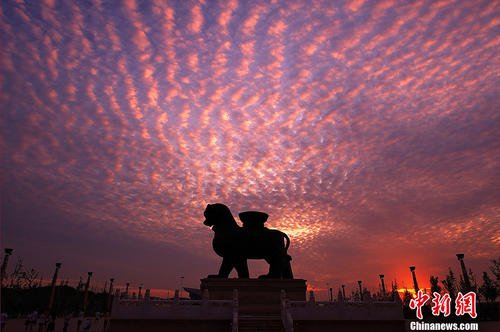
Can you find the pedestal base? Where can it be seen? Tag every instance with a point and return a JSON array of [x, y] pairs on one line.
[[255, 296], [222, 289]]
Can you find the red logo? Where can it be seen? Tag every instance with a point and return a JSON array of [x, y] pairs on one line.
[[466, 304], [441, 304], [418, 302]]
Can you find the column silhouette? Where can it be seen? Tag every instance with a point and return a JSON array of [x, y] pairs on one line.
[[126, 289], [464, 272], [8, 252], [383, 284], [110, 295], [86, 292], [53, 286], [415, 283]]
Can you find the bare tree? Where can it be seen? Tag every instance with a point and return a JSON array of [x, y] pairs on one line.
[[23, 278]]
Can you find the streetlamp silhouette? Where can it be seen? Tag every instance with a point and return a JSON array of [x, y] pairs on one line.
[[53, 286], [360, 291]]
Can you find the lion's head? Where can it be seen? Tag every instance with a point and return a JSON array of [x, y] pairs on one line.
[[218, 214]]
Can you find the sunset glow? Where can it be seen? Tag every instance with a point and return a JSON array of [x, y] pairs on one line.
[[369, 131]]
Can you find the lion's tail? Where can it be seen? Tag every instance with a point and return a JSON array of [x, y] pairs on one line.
[[287, 245]]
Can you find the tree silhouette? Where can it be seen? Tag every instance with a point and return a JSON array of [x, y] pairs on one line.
[[79, 287], [435, 285], [495, 269], [23, 278], [488, 290], [450, 284], [394, 290], [406, 298], [473, 283]]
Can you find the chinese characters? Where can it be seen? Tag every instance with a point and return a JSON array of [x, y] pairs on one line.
[[464, 304]]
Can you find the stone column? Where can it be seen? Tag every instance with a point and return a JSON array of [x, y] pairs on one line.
[[464, 272], [53, 286], [110, 294], [126, 289], [415, 283], [340, 298], [383, 284], [86, 292], [8, 252]]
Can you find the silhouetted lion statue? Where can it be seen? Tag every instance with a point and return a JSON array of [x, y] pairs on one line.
[[236, 244]]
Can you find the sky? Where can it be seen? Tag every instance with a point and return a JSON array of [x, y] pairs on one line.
[[369, 131]]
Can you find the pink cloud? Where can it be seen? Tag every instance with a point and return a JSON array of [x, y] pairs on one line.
[[197, 19], [354, 6], [228, 7]]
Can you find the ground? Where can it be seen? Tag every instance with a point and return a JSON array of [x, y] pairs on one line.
[[17, 325]]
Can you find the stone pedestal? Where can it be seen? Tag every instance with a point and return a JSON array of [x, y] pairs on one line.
[[255, 296], [222, 289]]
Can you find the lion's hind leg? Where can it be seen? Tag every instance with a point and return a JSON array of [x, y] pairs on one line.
[[286, 267], [274, 268], [225, 267], [241, 267]]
